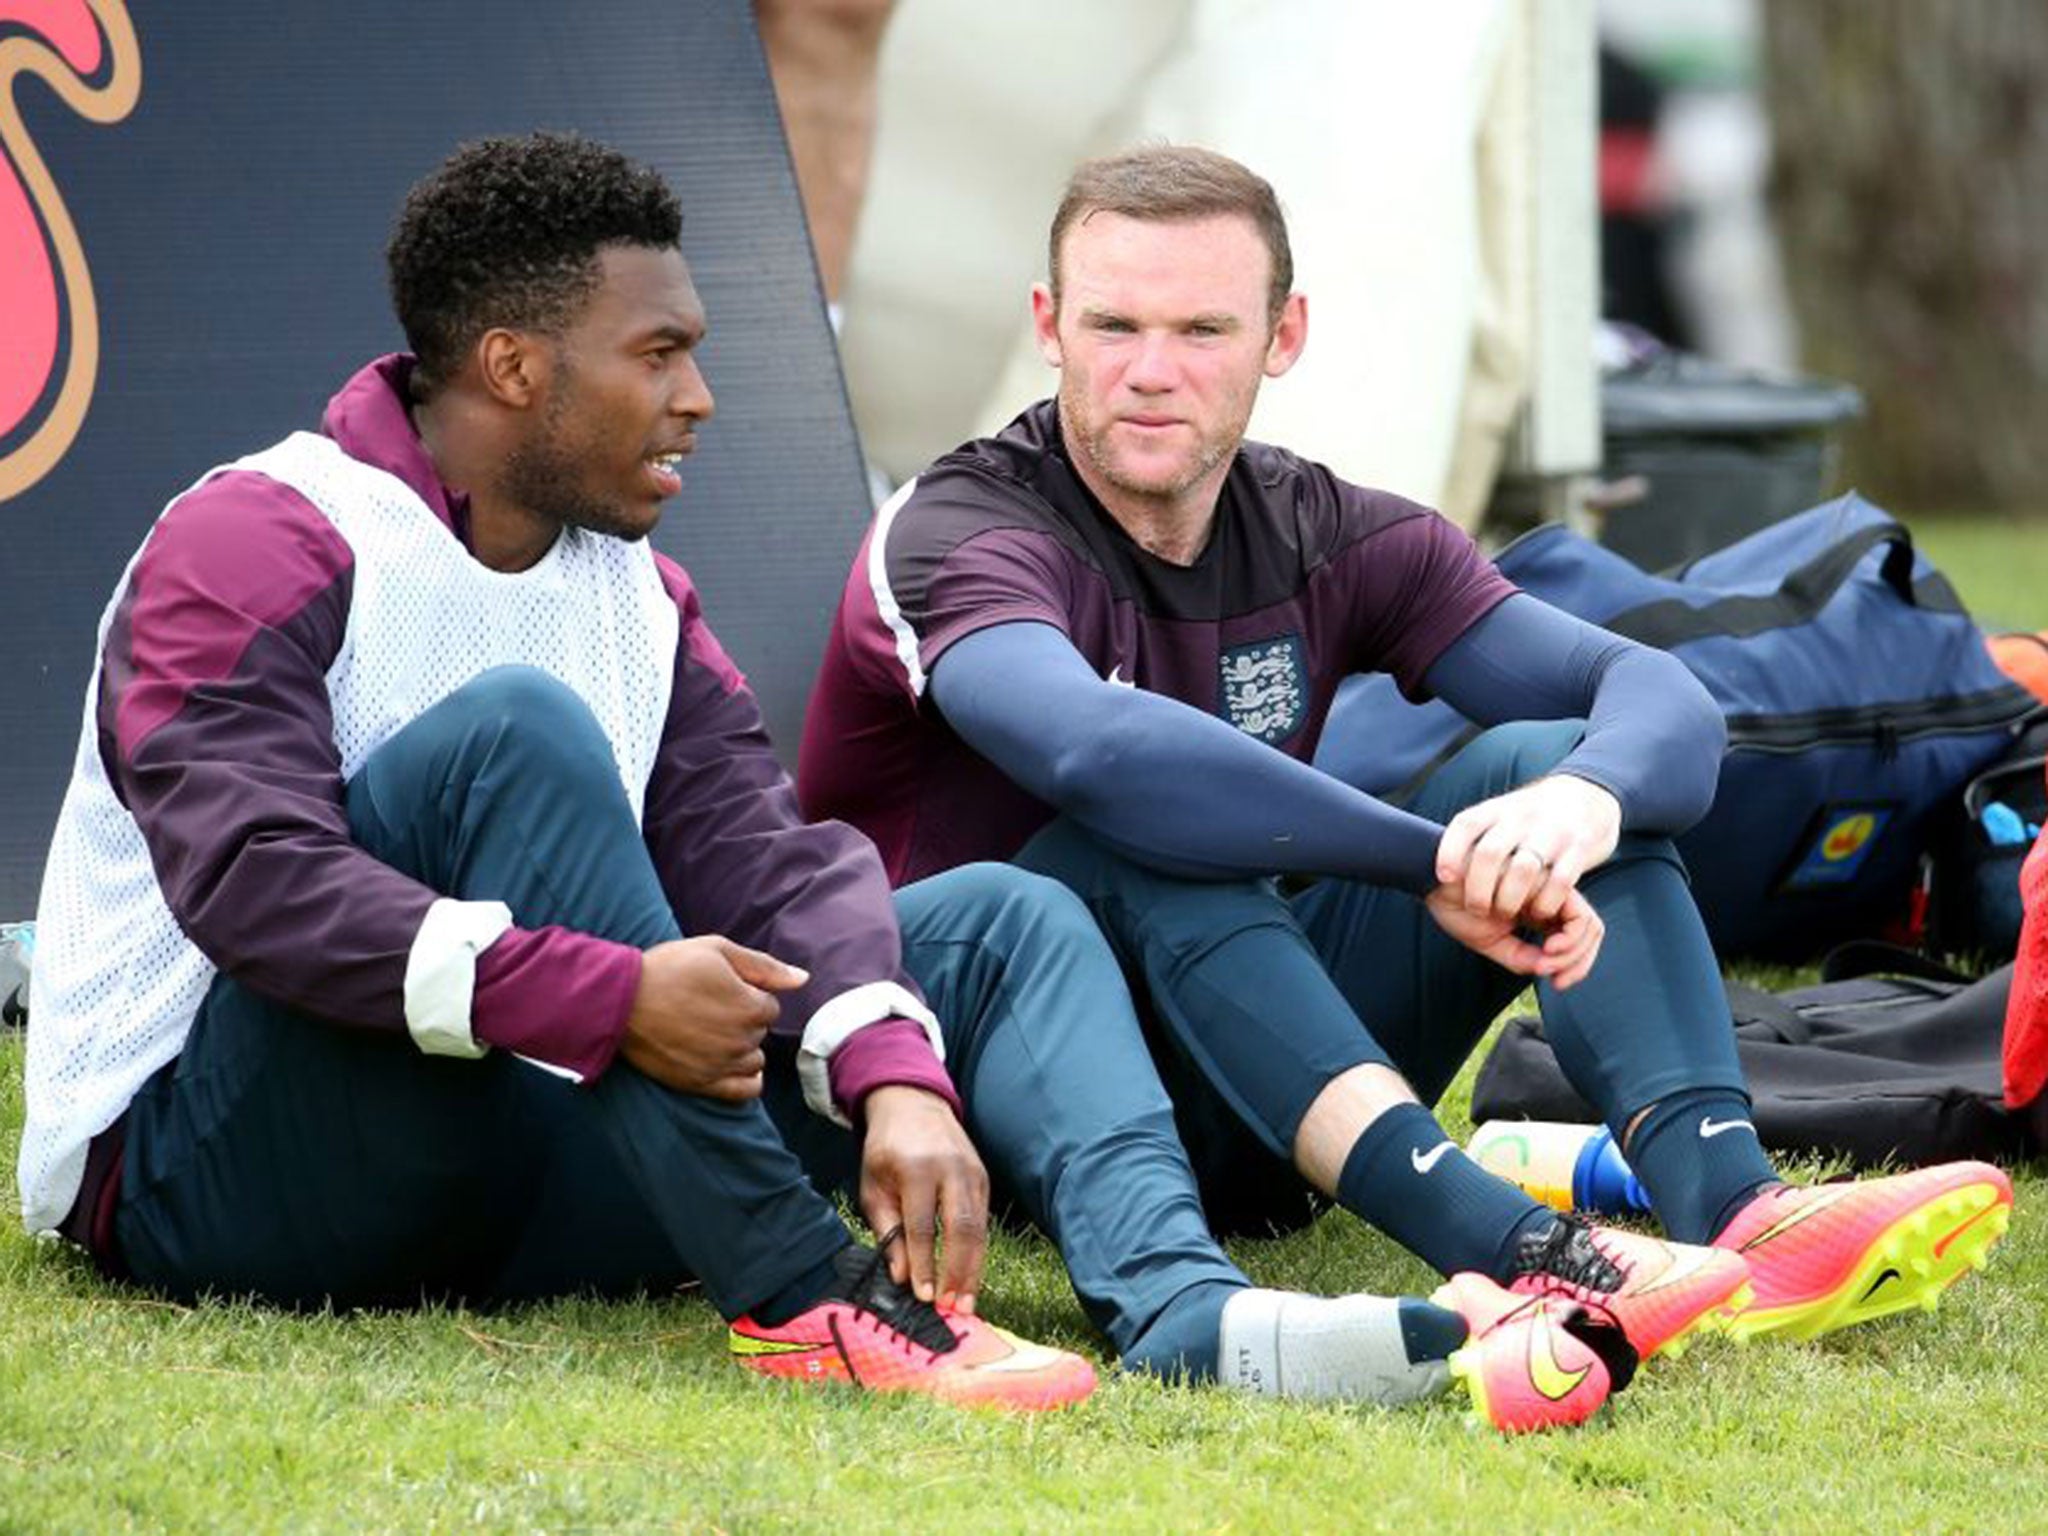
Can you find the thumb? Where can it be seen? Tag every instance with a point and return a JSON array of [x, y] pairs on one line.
[[761, 970]]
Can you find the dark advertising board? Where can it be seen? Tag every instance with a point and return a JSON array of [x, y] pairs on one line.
[[194, 200]]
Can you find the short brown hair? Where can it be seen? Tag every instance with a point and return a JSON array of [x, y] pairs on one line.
[[1165, 183]]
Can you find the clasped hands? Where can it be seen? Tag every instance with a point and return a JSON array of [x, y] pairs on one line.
[[1508, 871], [698, 1023]]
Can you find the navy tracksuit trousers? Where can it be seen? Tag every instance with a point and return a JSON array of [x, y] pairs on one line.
[[1255, 1000], [307, 1163]]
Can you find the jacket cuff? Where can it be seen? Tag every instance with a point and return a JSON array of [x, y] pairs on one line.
[[839, 1022], [440, 974], [556, 997], [893, 1053]]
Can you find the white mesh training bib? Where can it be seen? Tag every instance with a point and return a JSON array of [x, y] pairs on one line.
[[116, 982]]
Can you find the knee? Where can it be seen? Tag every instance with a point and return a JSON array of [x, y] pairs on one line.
[[1002, 900], [1644, 848], [1514, 754], [522, 712], [1080, 861], [520, 697]]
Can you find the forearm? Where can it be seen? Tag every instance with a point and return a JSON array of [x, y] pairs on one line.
[[1654, 736], [1170, 785], [736, 857]]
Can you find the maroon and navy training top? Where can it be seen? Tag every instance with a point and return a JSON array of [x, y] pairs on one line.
[[1305, 580]]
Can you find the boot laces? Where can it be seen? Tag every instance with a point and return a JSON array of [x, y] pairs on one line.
[[1565, 1251], [866, 1285]]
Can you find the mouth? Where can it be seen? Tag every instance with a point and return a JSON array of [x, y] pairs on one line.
[[662, 468]]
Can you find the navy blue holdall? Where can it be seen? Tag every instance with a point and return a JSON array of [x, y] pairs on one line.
[[1858, 693]]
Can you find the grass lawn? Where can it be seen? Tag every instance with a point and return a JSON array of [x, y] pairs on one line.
[[117, 1411]]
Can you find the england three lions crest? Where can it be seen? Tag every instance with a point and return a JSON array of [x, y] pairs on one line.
[[1265, 688]]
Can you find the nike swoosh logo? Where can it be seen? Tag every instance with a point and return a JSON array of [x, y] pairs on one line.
[[1424, 1161], [1806, 1212], [747, 1344], [1023, 1356], [1682, 1263], [1710, 1127], [1941, 1247], [1545, 1374], [1115, 675]]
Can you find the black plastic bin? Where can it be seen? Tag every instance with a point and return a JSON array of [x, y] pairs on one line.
[[1722, 452]]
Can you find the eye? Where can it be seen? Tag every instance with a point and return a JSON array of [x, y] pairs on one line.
[[1112, 324], [1205, 328]]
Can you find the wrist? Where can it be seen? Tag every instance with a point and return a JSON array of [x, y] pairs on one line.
[[879, 1033], [894, 1058], [886, 1099], [1598, 797]]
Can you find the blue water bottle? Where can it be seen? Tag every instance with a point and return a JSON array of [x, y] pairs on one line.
[[1602, 1180]]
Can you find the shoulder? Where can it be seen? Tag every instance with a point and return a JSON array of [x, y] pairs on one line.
[[696, 645], [991, 482], [1017, 482], [1284, 483], [244, 536]]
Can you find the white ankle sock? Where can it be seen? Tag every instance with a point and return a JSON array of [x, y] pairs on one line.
[[1319, 1348]]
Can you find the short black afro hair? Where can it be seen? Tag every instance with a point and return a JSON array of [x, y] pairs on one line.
[[507, 232]]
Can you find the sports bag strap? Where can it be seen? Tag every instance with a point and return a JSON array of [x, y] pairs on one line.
[[1758, 1012], [1874, 957], [1803, 593]]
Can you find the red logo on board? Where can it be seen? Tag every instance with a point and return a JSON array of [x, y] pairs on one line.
[[84, 51]]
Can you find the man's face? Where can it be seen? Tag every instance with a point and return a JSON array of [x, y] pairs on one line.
[[623, 399], [1161, 335]]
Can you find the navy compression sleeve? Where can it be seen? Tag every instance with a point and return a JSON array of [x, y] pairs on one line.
[[1165, 783], [1654, 735]]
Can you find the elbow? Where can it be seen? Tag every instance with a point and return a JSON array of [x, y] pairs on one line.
[[1701, 744], [1706, 727]]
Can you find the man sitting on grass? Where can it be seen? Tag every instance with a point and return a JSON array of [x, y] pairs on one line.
[[429, 916], [1104, 642]]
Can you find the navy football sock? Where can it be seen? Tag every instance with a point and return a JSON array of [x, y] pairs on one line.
[[1415, 1184], [807, 1289], [1697, 1154]]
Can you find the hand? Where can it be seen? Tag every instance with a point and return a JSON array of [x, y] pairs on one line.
[[1520, 855], [919, 1171], [701, 1011], [1563, 958]]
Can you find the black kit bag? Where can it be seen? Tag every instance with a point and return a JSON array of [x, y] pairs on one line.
[[1980, 840], [1858, 693], [1898, 1068]]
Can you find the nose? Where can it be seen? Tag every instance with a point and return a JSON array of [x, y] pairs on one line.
[[1152, 370], [692, 397]]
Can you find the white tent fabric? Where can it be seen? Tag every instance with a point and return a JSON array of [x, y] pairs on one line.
[[1380, 125]]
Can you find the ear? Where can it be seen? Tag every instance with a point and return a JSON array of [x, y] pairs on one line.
[[514, 366], [1045, 327], [1290, 335]]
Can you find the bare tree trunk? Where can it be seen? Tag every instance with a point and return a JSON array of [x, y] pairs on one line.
[[1911, 194]]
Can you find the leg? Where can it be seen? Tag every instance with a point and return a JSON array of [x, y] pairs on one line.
[[1245, 1026], [824, 59], [1425, 997], [506, 789], [1648, 1030], [1063, 1103], [1062, 1099], [1247, 1004]]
